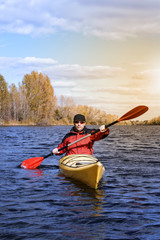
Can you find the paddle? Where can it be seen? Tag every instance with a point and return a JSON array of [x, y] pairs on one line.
[[32, 163]]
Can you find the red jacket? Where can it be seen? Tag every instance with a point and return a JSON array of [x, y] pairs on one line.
[[82, 147]]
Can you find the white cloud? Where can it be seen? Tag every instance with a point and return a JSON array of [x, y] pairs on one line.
[[121, 90], [27, 63], [116, 19], [63, 84], [58, 71], [38, 61], [76, 71]]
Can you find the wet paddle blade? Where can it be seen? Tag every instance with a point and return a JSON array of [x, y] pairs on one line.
[[135, 112], [32, 163]]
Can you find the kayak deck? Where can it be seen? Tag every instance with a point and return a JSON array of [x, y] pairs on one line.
[[82, 167]]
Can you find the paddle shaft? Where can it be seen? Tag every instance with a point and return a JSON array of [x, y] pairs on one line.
[[48, 155]]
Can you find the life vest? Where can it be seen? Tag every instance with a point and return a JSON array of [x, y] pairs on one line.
[[84, 146]]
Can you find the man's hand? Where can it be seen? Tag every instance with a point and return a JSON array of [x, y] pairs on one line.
[[55, 151], [102, 128]]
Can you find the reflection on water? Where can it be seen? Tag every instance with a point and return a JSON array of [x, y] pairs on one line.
[[43, 204], [35, 173], [93, 198]]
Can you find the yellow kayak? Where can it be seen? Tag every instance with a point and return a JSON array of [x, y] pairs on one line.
[[82, 167]]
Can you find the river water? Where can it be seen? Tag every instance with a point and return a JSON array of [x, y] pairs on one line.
[[42, 204]]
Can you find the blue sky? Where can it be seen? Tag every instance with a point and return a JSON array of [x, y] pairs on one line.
[[104, 53]]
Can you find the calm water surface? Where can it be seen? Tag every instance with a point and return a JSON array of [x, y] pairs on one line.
[[42, 204]]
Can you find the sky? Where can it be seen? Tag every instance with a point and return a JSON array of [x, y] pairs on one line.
[[104, 54]]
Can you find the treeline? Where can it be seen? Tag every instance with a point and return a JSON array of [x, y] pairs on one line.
[[154, 121], [33, 102]]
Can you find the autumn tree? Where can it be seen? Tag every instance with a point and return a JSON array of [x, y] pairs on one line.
[[15, 102], [24, 111], [40, 96], [67, 109], [34, 102], [4, 100]]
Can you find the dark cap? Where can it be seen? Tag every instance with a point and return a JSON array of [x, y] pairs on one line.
[[79, 117]]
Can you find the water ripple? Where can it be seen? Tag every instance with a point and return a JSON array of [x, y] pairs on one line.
[[42, 204]]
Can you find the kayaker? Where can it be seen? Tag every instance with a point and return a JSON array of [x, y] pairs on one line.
[[78, 131]]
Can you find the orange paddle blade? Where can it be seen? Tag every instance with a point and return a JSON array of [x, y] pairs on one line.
[[32, 163], [135, 112]]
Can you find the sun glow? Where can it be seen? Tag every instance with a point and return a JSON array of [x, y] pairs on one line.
[[156, 81], [152, 77]]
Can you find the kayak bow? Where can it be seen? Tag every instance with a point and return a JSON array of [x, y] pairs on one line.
[[82, 167]]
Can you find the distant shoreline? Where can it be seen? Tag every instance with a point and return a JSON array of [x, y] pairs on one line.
[[127, 123]]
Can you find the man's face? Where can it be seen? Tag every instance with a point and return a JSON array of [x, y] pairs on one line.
[[79, 125]]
